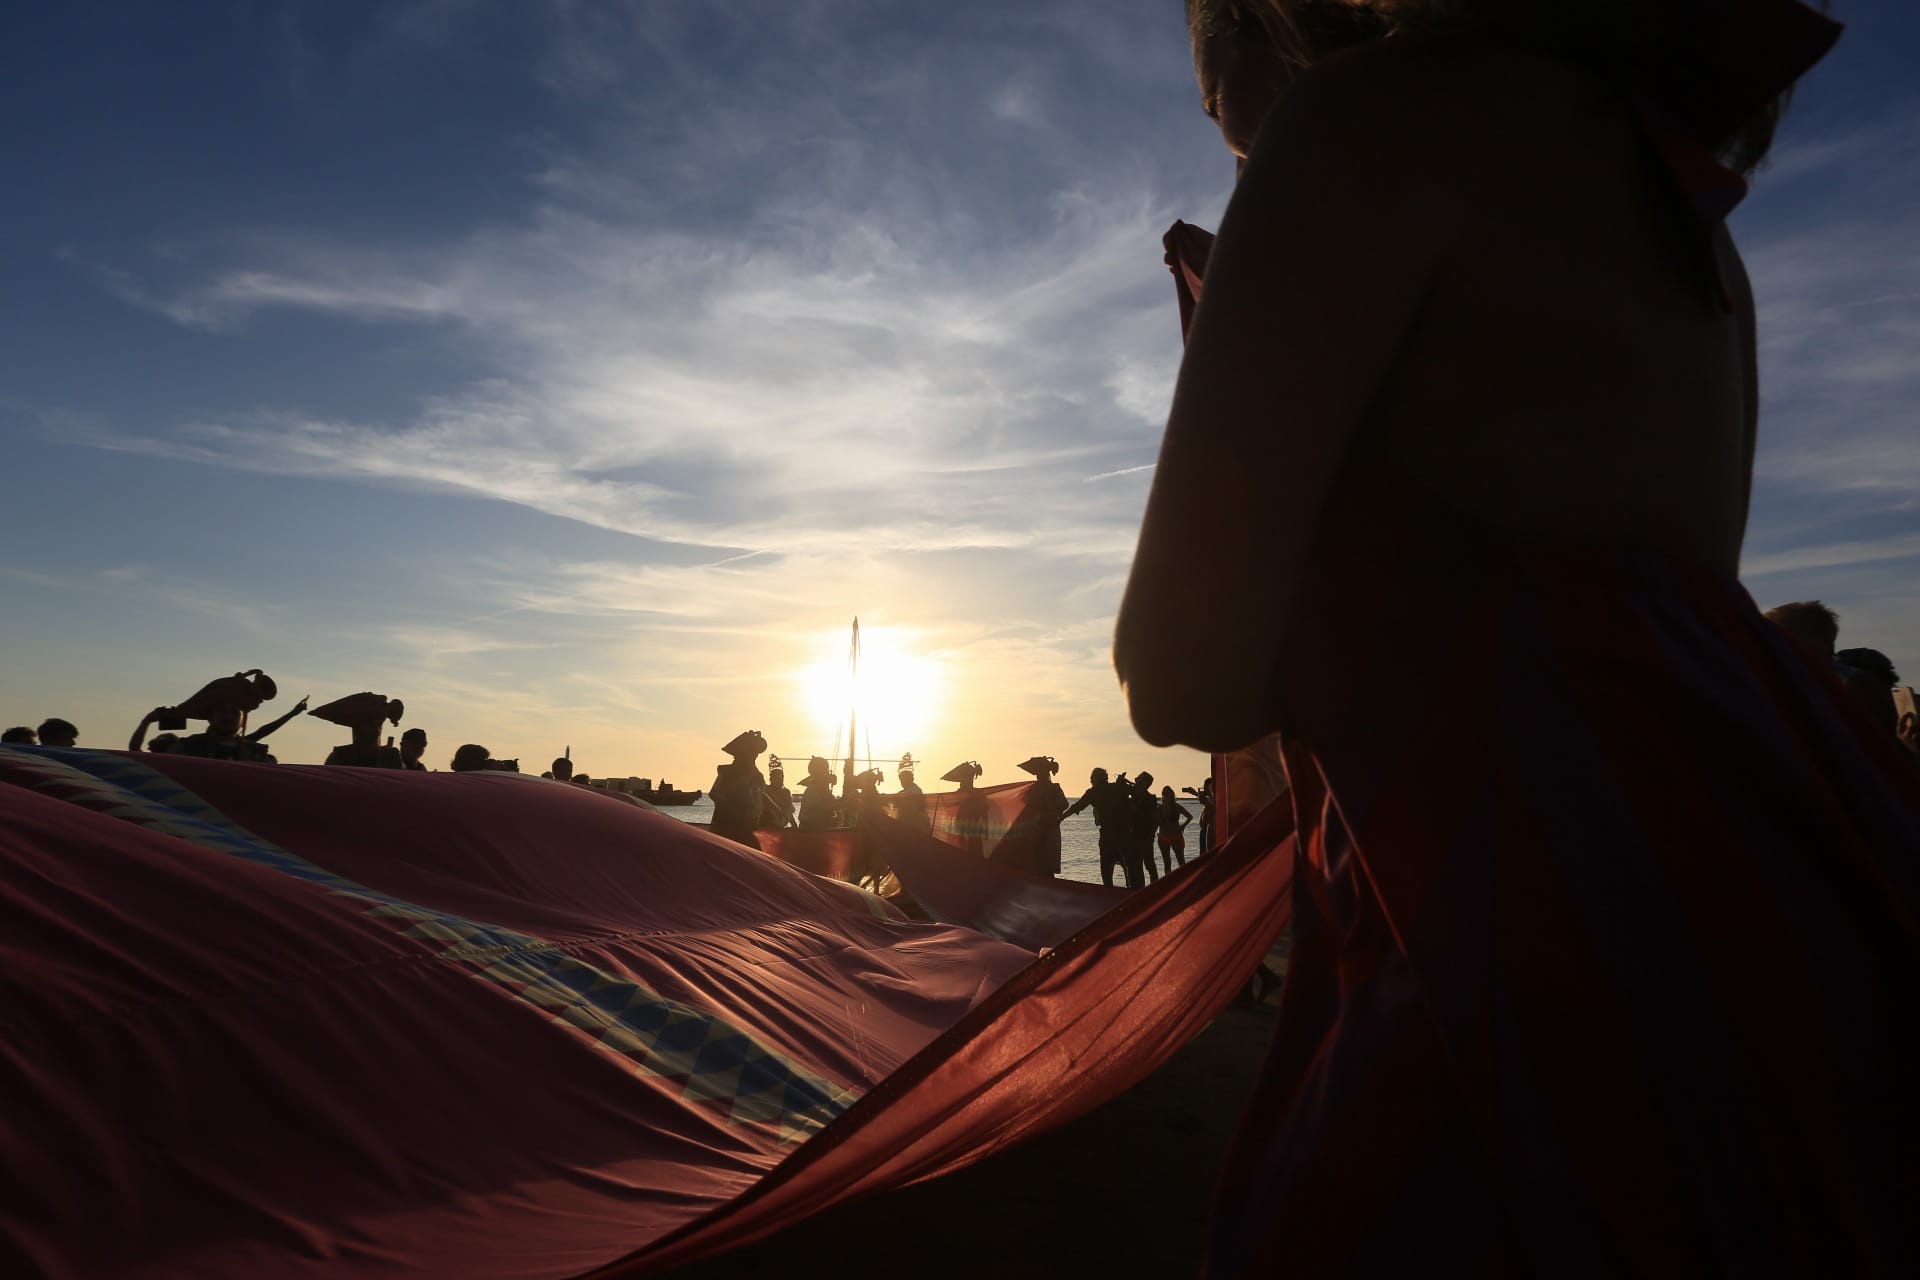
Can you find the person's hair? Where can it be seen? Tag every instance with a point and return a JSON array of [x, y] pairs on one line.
[[415, 734], [163, 742], [1871, 661], [1640, 44], [1166, 793], [1100, 774], [19, 733], [1811, 620], [562, 762], [470, 757], [58, 728]]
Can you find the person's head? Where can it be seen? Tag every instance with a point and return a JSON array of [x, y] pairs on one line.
[[1098, 777], [226, 720], [563, 768], [56, 732], [581, 780], [746, 746], [413, 744], [1246, 51], [777, 776], [163, 742], [470, 758], [20, 735], [1166, 793], [906, 776], [1145, 783], [1873, 662], [1810, 622]]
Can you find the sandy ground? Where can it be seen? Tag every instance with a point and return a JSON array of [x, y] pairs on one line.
[[1120, 1192]]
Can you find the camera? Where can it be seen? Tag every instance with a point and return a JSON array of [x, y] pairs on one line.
[[172, 722]]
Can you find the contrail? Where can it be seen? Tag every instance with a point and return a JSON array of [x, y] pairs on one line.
[[1124, 471]]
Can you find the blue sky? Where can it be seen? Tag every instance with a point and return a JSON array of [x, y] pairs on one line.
[[576, 371]]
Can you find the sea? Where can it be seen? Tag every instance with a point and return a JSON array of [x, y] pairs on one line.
[[1079, 838]]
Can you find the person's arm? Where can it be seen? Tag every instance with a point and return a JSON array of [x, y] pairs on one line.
[[271, 725], [1085, 799], [1326, 255], [139, 738], [1186, 819]]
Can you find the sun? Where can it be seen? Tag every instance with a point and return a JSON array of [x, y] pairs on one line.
[[898, 697]]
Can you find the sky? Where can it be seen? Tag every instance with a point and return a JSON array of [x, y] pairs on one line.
[[576, 372]]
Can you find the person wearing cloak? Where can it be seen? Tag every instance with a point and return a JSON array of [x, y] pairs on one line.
[[739, 792], [778, 792], [1045, 805], [819, 810], [969, 807], [364, 714], [910, 802]]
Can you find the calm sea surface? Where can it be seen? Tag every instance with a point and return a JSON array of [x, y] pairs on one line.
[[1079, 838]]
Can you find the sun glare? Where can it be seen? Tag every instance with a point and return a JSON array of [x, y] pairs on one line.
[[898, 696]]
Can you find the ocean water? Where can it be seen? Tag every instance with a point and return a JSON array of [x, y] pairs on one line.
[[1079, 838]]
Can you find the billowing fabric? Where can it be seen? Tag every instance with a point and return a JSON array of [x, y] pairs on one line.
[[1604, 959], [313, 1021], [947, 883], [278, 1022], [988, 822]]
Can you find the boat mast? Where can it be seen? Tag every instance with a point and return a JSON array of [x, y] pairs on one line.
[[853, 697]]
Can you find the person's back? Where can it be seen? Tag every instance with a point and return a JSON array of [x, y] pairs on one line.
[[1520, 394]]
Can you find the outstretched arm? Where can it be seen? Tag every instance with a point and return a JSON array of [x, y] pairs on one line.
[[271, 725], [139, 738], [1325, 256]]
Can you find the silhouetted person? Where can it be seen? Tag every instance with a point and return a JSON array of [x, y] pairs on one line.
[[739, 793], [366, 750], [223, 738], [969, 807], [163, 742], [562, 769], [1468, 406], [1113, 815], [1876, 692], [1817, 628], [20, 735], [1173, 818], [470, 758], [778, 794], [910, 803], [1144, 827], [413, 745], [1204, 793], [364, 715], [1045, 805], [819, 810], [56, 732]]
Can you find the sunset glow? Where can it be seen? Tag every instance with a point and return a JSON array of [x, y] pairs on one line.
[[898, 696]]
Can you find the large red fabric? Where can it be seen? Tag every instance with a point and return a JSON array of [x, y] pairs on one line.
[[260, 1021]]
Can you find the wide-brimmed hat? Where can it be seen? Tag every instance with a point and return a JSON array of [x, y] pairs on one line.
[[1040, 766], [359, 709], [966, 771], [750, 741]]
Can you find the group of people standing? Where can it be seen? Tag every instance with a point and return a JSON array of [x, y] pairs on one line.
[[1133, 819]]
